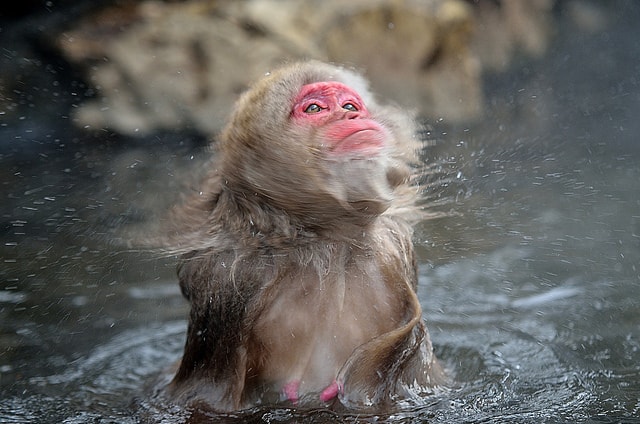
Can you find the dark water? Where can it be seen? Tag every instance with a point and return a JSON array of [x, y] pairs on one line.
[[531, 292]]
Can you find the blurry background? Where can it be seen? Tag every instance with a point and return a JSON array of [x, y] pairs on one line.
[[529, 288]]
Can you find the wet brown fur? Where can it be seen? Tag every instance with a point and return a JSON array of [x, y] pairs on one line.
[[301, 267]]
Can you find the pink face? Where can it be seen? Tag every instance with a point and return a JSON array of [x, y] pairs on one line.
[[343, 122]]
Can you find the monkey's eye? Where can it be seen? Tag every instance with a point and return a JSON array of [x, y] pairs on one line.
[[350, 107], [313, 108]]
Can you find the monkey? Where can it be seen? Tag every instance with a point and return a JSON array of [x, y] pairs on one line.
[[296, 252]]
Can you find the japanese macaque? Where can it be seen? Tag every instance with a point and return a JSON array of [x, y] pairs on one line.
[[296, 253]]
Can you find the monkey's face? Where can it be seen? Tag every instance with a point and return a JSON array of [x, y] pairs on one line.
[[310, 144], [338, 121], [349, 146]]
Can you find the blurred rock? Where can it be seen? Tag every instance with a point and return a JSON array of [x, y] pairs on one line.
[[175, 65], [588, 16], [171, 65], [506, 28]]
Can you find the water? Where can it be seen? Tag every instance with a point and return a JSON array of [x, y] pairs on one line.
[[530, 291]]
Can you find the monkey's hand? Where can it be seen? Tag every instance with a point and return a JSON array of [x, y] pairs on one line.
[[291, 391], [331, 391]]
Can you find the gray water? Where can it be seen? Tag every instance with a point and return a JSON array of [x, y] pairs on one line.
[[530, 288]]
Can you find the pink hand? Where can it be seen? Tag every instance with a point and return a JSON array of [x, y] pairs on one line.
[[331, 391], [291, 390]]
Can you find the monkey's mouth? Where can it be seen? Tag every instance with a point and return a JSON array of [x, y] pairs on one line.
[[364, 142]]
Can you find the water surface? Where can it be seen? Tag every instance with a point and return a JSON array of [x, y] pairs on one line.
[[530, 290]]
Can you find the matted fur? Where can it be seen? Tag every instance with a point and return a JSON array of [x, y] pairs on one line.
[[277, 222]]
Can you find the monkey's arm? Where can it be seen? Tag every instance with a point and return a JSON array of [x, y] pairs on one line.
[[214, 360]]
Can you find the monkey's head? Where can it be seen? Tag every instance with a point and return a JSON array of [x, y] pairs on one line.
[[311, 140]]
